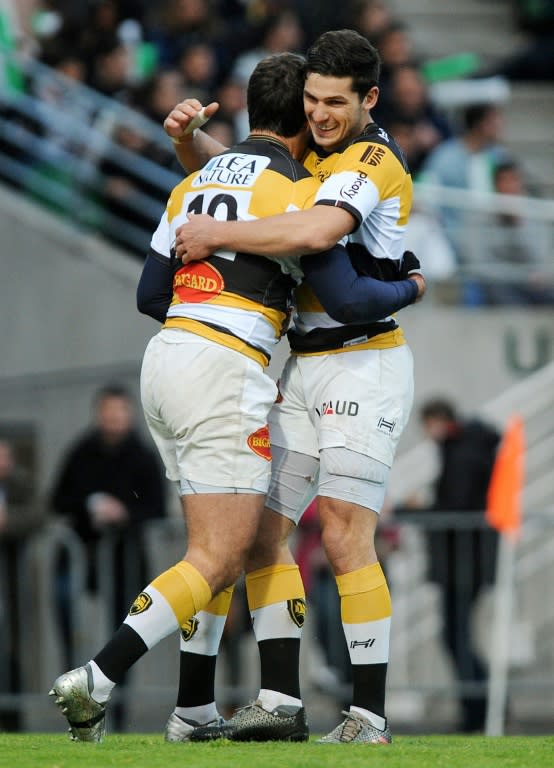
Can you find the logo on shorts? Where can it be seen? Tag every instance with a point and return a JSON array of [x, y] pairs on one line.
[[189, 629], [259, 442], [297, 610], [142, 603], [386, 426], [197, 282], [338, 408]]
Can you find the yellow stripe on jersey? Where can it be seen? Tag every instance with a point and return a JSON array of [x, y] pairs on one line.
[[275, 194], [320, 167], [273, 584], [225, 339], [386, 340], [273, 316], [175, 202], [364, 595]]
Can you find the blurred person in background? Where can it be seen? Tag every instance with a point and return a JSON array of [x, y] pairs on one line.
[[199, 68], [396, 49], [109, 484], [408, 99], [534, 61], [279, 33], [515, 264], [461, 561], [467, 161], [369, 17], [20, 516]]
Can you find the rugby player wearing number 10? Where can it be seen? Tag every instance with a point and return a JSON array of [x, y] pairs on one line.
[[204, 392]]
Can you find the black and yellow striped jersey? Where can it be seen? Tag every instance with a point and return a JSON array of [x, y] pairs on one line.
[[239, 300], [370, 179]]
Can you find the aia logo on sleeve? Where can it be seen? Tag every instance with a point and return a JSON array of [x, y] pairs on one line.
[[259, 442], [373, 154]]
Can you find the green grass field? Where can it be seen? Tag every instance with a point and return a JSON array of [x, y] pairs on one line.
[[150, 751]]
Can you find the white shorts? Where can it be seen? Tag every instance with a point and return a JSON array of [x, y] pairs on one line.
[[206, 407], [356, 400]]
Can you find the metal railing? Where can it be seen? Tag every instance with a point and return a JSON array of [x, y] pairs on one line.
[[61, 142], [434, 599]]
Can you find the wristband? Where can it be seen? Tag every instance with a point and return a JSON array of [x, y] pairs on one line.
[[197, 122]]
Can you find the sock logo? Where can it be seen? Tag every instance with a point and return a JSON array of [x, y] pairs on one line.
[[189, 628], [297, 610], [364, 643], [142, 603]]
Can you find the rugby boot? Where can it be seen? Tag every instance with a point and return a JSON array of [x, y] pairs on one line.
[[180, 728], [254, 723], [86, 717], [356, 729]]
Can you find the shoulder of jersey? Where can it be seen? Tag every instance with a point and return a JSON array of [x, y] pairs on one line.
[[281, 161], [375, 145]]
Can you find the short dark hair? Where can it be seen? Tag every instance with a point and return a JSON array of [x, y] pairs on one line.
[[112, 389], [345, 53], [476, 113], [275, 95], [505, 166], [438, 408]]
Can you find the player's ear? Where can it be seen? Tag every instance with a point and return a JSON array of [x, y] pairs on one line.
[[371, 97]]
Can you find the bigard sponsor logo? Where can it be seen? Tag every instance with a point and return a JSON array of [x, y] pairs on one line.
[[197, 282], [259, 442]]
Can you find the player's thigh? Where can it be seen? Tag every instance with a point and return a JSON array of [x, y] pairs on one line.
[[360, 400], [221, 529], [348, 533], [271, 544]]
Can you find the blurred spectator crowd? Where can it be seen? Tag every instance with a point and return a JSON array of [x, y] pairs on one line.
[[149, 56]]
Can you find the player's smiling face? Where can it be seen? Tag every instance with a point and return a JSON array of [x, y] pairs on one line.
[[335, 113]]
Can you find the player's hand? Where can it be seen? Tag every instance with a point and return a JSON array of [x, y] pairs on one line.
[[410, 264], [421, 286], [182, 115], [411, 269], [197, 239]]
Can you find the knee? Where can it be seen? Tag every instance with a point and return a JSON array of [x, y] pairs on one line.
[[219, 569]]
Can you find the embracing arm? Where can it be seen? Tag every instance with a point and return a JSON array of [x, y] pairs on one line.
[[288, 234], [155, 288], [195, 148], [351, 298]]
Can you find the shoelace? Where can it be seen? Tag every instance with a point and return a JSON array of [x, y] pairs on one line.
[[250, 705], [350, 728]]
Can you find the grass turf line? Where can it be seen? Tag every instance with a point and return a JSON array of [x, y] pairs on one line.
[[33, 750]]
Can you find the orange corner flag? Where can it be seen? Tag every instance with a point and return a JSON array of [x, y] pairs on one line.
[[506, 484]]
